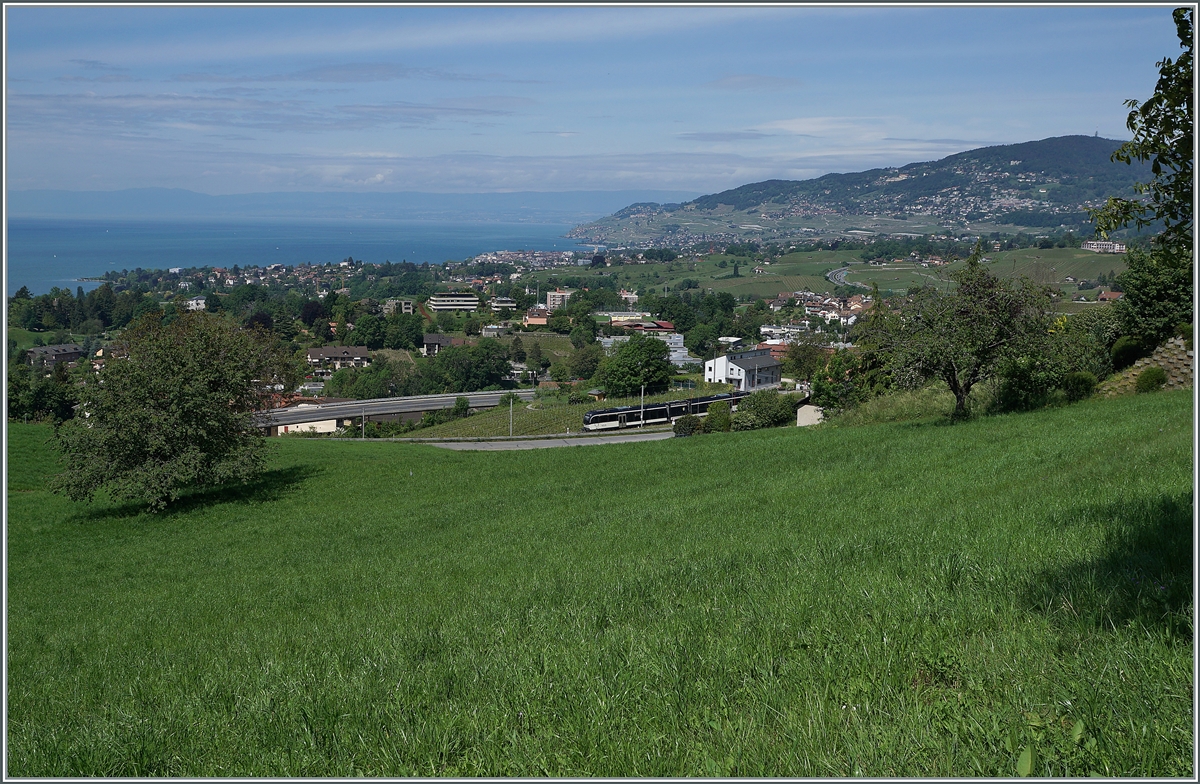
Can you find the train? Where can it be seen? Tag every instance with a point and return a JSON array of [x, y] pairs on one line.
[[655, 413]]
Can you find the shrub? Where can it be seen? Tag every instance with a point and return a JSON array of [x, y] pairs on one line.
[[1151, 378], [687, 425], [744, 420], [1078, 385], [1025, 383], [1125, 352], [717, 420]]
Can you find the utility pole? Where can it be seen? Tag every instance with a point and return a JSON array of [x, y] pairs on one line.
[[364, 422], [642, 418], [510, 412]]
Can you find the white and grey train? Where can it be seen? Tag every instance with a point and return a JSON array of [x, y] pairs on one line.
[[655, 413]]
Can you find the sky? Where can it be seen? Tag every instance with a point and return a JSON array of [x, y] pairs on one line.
[[241, 99]]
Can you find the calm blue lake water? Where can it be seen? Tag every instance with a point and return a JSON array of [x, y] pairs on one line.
[[47, 253]]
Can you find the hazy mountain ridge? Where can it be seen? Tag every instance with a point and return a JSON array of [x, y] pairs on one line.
[[1043, 183]]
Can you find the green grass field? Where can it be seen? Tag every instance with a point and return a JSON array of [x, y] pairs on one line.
[[1050, 266], [908, 599]]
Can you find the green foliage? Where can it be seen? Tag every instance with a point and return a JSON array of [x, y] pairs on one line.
[[34, 394], [686, 425], [1158, 285], [1078, 385], [172, 410], [1158, 296], [718, 419], [766, 408], [965, 336], [516, 350], [585, 361], [636, 362], [1126, 351], [1026, 382], [843, 383], [1163, 132], [804, 358], [1151, 379]]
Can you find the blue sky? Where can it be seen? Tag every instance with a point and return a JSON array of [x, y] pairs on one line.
[[458, 99]]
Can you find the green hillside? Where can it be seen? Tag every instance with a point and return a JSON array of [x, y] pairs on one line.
[[924, 600], [1035, 186]]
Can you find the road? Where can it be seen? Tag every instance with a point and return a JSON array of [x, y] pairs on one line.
[[381, 406], [547, 443]]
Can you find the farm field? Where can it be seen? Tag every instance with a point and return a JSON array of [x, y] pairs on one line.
[[1013, 594], [791, 272], [1051, 266]]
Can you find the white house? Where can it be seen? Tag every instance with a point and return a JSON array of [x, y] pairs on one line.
[[195, 303], [746, 370]]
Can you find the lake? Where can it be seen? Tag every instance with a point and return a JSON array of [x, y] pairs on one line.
[[44, 253]]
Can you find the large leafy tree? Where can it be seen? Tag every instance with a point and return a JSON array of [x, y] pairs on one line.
[[173, 409], [1158, 285], [638, 361], [961, 337]]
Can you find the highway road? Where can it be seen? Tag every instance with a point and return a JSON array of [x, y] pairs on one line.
[[298, 415]]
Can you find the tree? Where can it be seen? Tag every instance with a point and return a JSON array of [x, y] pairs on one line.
[[1162, 134], [586, 360], [804, 358], [534, 356], [173, 409], [961, 337], [638, 361], [1158, 285]]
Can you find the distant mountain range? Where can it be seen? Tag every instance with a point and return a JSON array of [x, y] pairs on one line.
[[174, 203], [1034, 185]]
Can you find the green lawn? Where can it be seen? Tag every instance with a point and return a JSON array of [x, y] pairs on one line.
[[908, 599]]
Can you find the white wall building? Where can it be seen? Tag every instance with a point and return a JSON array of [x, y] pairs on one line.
[[746, 370], [455, 301]]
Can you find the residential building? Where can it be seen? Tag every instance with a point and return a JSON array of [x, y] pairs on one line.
[[746, 370], [49, 356], [1109, 296], [324, 361], [558, 298], [398, 306], [537, 316], [1103, 246], [433, 343], [196, 303], [503, 303], [453, 301]]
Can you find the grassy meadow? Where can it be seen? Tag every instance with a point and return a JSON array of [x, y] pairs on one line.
[[1009, 595]]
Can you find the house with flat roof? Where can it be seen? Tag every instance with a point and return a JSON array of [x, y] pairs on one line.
[[455, 301]]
